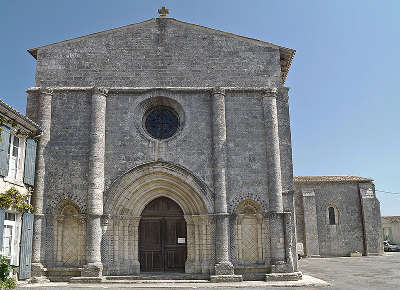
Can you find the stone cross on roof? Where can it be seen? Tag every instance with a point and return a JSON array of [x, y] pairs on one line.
[[163, 11]]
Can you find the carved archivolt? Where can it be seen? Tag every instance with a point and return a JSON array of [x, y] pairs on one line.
[[249, 233], [136, 188], [127, 198], [69, 235]]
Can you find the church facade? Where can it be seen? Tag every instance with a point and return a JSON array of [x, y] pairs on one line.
[[166, 148]]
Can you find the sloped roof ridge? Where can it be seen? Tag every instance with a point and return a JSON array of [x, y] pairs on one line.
[[392, 218], [286, 52], [331, 178], [31, 51]]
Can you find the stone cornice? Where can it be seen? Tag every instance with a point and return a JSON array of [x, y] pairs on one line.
[[263, 90]]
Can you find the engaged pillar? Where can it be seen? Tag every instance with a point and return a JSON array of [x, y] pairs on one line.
[[274, 179], [224, 270], [94, 266], [44, 121], [279, 222]]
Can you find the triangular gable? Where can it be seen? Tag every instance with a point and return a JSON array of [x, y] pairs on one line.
[[286, 53]]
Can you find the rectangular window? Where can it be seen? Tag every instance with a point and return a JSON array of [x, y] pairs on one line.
[[13, 153], [9, 216]]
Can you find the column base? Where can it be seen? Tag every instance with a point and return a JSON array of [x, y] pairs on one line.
[[134, 267], [224, 268], [92, 270], [224, 272], [225, 278], [282, 267], [38, 273], [294, 276]]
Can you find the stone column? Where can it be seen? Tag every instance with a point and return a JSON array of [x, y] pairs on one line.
[[224, 270], [39, 228], [106, 242], [274, 178], [135, 265], [94, 266], [279, 222]]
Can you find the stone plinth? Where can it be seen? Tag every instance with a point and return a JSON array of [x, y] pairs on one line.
[[294, 276]]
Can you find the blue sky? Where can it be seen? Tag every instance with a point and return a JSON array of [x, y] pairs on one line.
[[344, 77]]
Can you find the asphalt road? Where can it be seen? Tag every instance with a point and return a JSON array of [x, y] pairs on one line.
[[364, 273], [372, 272]]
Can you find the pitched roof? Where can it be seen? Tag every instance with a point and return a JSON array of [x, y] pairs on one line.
[[20, 118], [330, 178], [391, 219], [287, 54]]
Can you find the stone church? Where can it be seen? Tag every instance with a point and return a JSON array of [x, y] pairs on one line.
[[166, 148]]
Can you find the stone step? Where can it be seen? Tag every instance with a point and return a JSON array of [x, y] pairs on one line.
[[158, 281], [160, 276]]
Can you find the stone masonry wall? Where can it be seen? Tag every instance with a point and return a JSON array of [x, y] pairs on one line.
[[246, 150], [345, 237], [129, 145], [159, 52], [67, 151]]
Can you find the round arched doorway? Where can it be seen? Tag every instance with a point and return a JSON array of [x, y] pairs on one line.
[[162, 237]]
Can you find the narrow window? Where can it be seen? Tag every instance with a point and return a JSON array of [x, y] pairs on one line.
[[332, 218], [13, 150]]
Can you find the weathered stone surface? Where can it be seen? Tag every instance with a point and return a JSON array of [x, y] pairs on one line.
[[294, 276], [225, 278], [159, 53]]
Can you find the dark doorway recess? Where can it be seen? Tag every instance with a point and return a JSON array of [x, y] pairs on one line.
[[162, 237]]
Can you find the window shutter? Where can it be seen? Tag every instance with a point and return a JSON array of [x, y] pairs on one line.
[[25, 258], [5, 139], [30, 160]]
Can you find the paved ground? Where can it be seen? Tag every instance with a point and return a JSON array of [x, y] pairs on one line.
[[365, 273]]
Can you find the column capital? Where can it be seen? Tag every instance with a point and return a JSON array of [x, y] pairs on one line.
[[46, 91], [99, 91], [270, 93], [218, 91]]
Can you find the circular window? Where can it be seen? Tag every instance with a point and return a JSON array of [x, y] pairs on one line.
[[162, 122]]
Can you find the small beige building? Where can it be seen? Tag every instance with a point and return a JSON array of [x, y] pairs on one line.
[[391, 228]]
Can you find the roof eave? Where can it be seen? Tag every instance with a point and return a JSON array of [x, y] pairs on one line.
[[33, 52], [21, 119]]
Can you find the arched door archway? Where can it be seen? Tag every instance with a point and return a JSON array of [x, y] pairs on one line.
[[130, 195], [162, 237]]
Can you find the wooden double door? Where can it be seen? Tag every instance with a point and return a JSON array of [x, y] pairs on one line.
[[162, 237]]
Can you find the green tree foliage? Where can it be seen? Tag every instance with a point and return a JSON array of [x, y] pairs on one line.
[[13, 198], [6, 282]]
